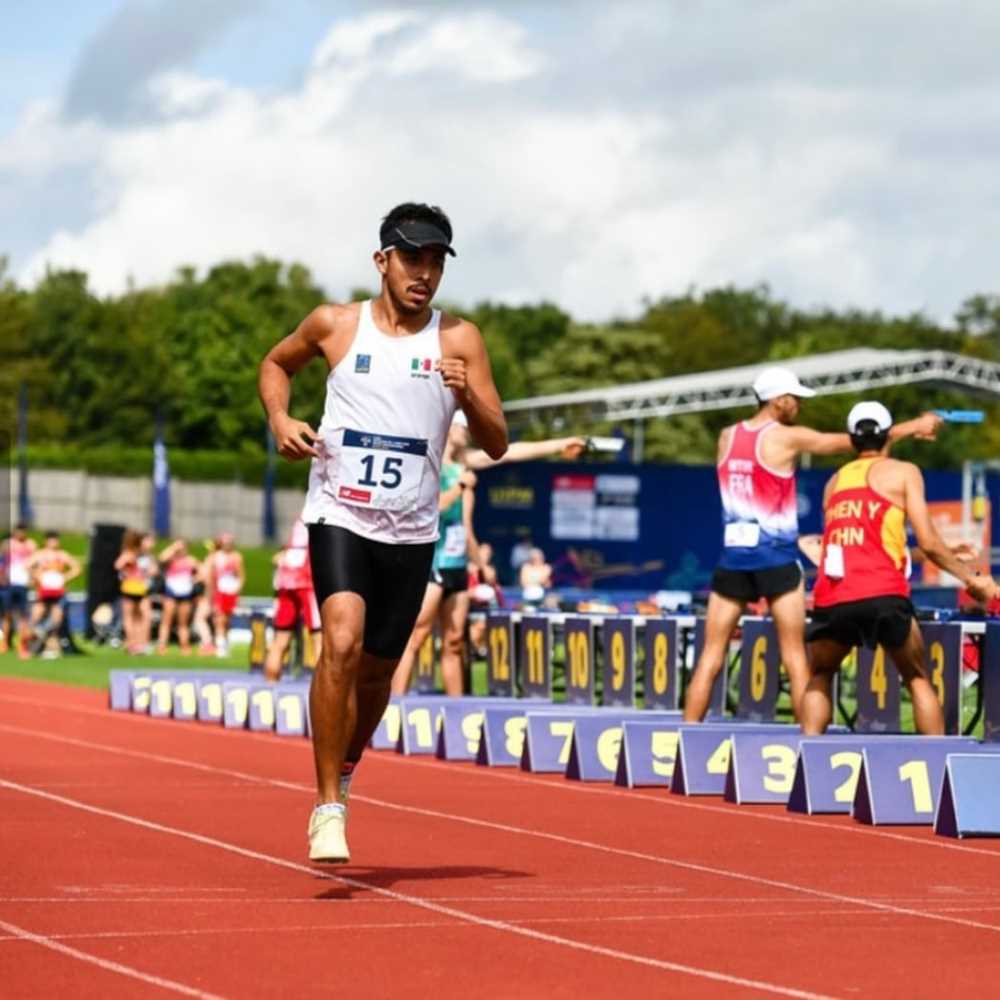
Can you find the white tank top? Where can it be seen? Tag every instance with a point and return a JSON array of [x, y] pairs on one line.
[[383, 432]]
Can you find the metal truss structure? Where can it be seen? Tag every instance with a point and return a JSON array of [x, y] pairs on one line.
[[839, 371]]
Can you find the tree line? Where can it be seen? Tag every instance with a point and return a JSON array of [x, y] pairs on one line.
[[98, 369]]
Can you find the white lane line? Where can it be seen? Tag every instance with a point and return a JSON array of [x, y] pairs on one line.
[[502, 774], [539, 901], [620, 918], [123, 970], [541, 835], [448, 911]]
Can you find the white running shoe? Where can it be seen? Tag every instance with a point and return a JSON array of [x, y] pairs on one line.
[[327, 840]]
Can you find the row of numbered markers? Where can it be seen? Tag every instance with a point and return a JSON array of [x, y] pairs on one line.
[[952, 782]]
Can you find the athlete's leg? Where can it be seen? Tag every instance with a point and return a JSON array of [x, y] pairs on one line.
[[816, 707], [789, 614], [333, 695], [167, 613], [911, 662], [454, 614], [374, 688], [422, 629], [202, 610], [52, 638], [722, 617], [183, 626], [276, 653], [145, 622]]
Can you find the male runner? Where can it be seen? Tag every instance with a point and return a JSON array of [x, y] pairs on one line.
[[862, 594], [295, 599], [17, 552], [398, 370], [447, 595], [760, 556], [51, 569]]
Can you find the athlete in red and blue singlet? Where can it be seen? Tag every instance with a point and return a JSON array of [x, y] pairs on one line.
[[756, 462]]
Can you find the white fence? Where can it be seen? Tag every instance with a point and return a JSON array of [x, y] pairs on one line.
[[74, 501]]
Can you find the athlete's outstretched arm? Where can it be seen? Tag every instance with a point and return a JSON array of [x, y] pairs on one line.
[[465, 369], [934, 547], [525, 451], [924, 427], [801, 440], [293, 438]]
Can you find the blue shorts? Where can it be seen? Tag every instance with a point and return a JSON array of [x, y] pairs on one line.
[[15, 601]]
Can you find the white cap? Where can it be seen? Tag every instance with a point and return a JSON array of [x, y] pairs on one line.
[[774, 382], [869, 411], [460, 419]]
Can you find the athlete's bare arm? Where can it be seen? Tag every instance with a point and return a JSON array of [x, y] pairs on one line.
[[326, 332], [980, 585], [72, 564], [527, 451], [782, 444], [465, 369], [468, 507]]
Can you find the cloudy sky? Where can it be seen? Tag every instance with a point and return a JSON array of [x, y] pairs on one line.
[[592, 153]]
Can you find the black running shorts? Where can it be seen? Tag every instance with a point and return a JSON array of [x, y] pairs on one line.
[[752, 584], [877, 621], [390, 579], [451, 581]]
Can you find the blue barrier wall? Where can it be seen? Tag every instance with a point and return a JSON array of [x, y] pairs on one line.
[[678, 519]]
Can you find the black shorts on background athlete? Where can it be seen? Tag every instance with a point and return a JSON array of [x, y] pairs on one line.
[[752, 584], [874, 621]]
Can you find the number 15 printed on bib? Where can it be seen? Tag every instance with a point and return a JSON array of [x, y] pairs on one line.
[[380, 471]]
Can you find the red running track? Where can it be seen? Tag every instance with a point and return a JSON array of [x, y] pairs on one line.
[[156, 858]]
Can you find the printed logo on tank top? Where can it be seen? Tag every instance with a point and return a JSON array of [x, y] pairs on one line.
[[421, 367], [363, 364]]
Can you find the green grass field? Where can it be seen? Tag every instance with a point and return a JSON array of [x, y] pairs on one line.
[[91, 668]]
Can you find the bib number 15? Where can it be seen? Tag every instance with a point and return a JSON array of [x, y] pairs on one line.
[[390, 474]]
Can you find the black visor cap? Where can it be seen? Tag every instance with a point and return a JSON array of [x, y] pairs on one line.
[[416, 235]]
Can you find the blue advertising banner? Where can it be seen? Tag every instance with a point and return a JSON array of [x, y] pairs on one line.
[[604, 526]]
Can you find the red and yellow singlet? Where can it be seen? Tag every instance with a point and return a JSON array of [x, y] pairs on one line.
[[864, 542]]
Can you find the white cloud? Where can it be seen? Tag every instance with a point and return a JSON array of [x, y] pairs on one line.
[[570, 172]]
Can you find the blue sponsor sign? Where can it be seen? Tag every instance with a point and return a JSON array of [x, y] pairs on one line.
[[759, 670], [661, 645], [387, 733], [877, 692], [260, 711], [185, 699], [648, 752], [969, 805], [384, 442], [578, 635], [120, 690], [535, 656], [943, 643], [235, 704], [502, 742], [900, 780], [291, 709], [500, 655], [618, 670], [420, 723], [595, 750], [460, 725], [703, 751], [210, 703]]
